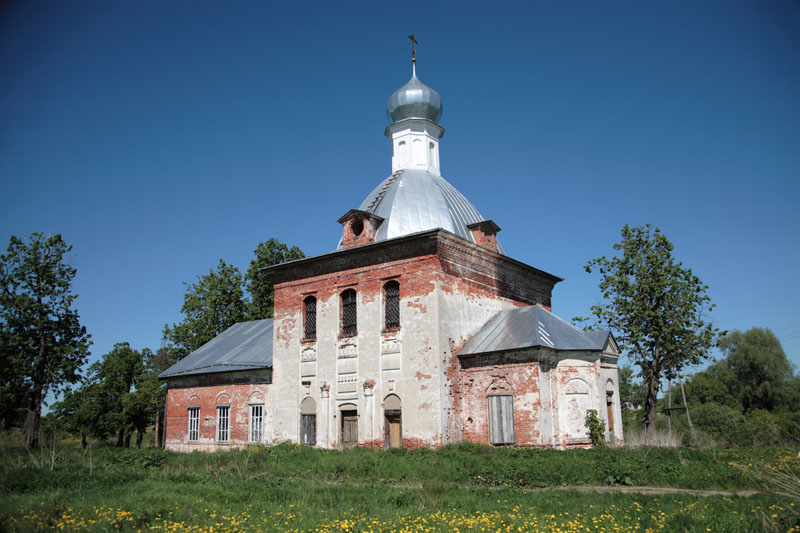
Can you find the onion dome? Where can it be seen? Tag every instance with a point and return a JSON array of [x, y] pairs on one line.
[[414, 100]]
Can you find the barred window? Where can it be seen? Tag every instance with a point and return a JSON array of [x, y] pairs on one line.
[[391, 294], [349, 313], [310, 312], [223, 425], [194, 424], [256, 422]]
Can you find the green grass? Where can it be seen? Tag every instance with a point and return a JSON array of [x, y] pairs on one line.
[[468, 486]]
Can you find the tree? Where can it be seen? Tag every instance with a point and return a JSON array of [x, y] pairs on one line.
[[212, 305], [83, 412], [655, 307], [121, 394], [42, 343], [156, 363], [118, 373], [760, 375], [259, 285], [712, 386]]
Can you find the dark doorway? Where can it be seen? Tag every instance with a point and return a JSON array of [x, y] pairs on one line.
[[349, 429]]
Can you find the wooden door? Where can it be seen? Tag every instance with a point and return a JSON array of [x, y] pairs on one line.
[[392, 432], [309, 430], [349, 429]]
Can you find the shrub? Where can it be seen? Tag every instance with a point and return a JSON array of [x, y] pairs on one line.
[[596, 427], [719, 421]]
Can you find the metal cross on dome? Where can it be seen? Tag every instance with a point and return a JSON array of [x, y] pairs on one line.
[[414, 44]]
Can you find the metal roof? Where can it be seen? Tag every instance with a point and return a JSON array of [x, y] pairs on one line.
[[414, 100], [415, 200], [531, 327], [243, 346]]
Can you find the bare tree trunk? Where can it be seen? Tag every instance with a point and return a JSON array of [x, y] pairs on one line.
[[83, 440], [139, 438], [30, 430], [157, 430], [649, 418], [669, 409], [686, 406], [33, 415], [127, 440], [121, 438]]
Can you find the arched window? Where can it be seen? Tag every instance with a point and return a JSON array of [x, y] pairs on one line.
[[310, 318], [349, 312], [391, 295]]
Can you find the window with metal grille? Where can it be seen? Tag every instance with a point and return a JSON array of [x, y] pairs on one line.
[[310, 326], [223, 422], [501, 419], [256, 422], [194, 424], [391, 294], [349, 313]]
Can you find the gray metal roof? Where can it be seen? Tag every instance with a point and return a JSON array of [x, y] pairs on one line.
[[413, 200], [243, 346], [414, 100], [531, 327]]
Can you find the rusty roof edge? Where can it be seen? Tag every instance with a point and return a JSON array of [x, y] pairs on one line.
[[438, 233]]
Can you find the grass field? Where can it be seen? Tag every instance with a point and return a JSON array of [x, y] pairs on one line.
[[463, 487]]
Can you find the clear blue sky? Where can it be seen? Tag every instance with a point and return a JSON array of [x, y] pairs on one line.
[[159, 137]]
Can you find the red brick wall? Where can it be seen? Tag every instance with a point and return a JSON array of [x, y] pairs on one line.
[[207, 395], [519, 379]]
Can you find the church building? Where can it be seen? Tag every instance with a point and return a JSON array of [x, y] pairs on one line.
[[418, 330]]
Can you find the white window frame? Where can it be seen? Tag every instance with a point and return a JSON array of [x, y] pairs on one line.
[[256, 422], [223, 423], [194, 424]]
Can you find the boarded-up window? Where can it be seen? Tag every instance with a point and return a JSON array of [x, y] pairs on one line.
[[391, 293], [256, 422], [349, 313], [310, 318], [501, 419], [577, 403], [223, 423], [194, 424]]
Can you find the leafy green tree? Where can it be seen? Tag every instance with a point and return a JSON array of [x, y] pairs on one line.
[[628, 389], [760, 374], [42, 343], [156, 363], [212, 305], [712, 385], [117, 375], [656, 309], [83, 412], [259, 285]]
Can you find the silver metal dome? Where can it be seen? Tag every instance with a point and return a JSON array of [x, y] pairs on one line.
[[414, 100], [410, 201]]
